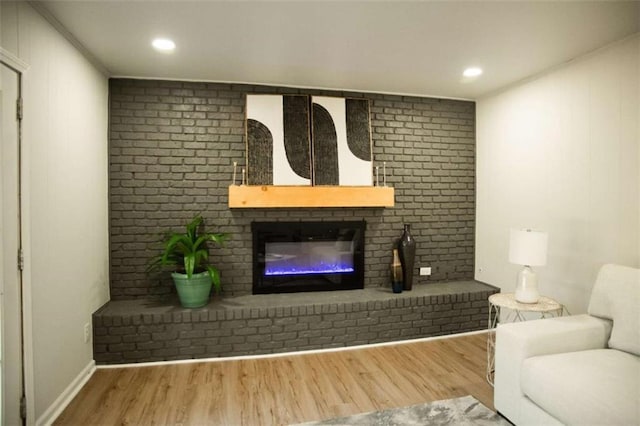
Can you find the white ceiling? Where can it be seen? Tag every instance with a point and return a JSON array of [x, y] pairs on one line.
[[417, 47]]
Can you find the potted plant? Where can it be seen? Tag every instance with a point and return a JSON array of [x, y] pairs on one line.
[[188, 253]]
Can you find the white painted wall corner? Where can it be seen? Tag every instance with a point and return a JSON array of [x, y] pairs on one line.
[[58, 406]]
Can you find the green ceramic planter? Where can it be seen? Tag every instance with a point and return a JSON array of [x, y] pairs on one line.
[[193, 292]]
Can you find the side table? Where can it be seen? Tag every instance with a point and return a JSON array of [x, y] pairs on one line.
[[545, 307]]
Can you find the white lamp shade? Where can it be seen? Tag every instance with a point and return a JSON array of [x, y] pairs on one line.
[[527, 247]]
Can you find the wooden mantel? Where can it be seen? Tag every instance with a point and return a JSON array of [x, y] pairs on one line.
[[247, 196]]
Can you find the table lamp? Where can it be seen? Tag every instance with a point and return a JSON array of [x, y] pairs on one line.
[[527, 248]]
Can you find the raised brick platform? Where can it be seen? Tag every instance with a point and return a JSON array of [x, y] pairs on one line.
[[141, 330]]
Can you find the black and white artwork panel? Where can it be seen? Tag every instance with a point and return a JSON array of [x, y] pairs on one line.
[[267, 160], [297, 134], [341, 142]]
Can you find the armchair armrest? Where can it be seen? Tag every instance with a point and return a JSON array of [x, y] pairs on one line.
[[516, 342]]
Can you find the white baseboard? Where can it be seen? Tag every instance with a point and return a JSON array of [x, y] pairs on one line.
[[58, 406]]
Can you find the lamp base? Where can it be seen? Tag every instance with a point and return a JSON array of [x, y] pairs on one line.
[[527, 286]]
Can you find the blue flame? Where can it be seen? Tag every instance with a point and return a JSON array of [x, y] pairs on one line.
[[319, 268], [308, 258]]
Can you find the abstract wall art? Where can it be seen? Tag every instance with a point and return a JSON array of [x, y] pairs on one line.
[[298, 140], [341, 142], [278, 140]]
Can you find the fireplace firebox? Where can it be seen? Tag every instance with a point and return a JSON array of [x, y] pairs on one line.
[[307, 256]]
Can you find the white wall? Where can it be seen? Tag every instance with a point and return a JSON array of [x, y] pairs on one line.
[[65, 199], [561, 153]]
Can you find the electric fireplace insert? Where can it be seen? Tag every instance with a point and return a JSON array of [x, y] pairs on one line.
[[307, 256]]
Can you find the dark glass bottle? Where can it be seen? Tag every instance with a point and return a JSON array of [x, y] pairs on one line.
[[407, 252]]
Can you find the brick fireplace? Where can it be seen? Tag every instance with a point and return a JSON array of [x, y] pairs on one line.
[[172, 146]]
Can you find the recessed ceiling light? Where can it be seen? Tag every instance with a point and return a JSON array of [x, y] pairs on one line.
[[163, 44], [472, 72]]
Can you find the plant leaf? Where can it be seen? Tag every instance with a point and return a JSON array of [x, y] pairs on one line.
[[201, 239], [192, 227], [201, 257], [189, 263], [215, 278], [171, 246], [218, 238]]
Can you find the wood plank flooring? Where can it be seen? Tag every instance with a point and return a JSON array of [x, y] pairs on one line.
[[287, 389]]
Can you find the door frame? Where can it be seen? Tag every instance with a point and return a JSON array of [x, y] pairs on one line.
[[22, 69]]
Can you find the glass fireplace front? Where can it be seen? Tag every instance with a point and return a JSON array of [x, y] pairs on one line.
[[307, 256]]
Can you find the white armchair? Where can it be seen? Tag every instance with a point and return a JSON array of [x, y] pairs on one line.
[[581, 369]]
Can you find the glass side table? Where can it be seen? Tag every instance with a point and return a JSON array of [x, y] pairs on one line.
[[545, 307]]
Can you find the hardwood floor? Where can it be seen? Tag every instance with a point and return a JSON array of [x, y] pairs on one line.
[[286, 389]]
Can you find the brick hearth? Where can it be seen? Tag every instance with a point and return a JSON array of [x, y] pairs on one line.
[[150, 330]]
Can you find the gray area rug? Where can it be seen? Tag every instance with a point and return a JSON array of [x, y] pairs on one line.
[[450, 412]]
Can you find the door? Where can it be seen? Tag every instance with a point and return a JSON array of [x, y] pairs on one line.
[[11, 343]]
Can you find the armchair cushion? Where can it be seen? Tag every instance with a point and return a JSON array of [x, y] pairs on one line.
[[593, 387], [625, 334], [515, 342], [616, 296]]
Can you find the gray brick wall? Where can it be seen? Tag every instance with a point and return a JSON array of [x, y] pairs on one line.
[[172, 148]]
